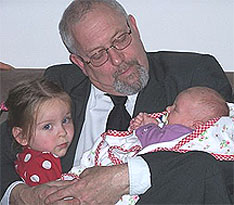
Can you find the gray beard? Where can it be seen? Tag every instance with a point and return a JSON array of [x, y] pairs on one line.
[[131, 89]]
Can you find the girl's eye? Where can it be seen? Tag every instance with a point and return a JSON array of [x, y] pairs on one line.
[[47, 127], [66, 120]]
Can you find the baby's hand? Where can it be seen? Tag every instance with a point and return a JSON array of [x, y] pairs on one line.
[[149, 120], [141, 119], [137, 121]]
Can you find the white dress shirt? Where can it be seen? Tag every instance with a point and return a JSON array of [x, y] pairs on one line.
[[98, 107]]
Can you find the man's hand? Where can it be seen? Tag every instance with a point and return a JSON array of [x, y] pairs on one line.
[[4, 66], [97, 185], [23, 194]]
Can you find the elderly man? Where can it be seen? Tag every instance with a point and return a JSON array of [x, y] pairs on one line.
[[109, 57]]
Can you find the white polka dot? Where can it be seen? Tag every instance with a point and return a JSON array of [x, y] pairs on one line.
[[35, 178], [56, 156], [23, 179], [46, 164], [27, 157], [16, 166]]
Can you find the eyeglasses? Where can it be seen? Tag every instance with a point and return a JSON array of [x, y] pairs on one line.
[[120, 43]]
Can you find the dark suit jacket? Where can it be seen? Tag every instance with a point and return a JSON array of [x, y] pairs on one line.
[[170, 73]]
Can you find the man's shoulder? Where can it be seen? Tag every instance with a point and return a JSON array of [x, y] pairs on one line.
[[174, 61], [64, 69], [177, 56], [67, 75]]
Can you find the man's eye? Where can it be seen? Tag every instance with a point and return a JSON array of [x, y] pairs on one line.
[[121, 38], [47, 127], [98, 55]]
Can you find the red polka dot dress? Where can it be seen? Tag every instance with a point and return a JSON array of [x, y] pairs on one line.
[[36, 167]]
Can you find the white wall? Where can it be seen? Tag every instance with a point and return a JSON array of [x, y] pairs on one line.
[[29, 36]]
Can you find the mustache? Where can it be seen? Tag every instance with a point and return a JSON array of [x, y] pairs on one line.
[[124, 66]]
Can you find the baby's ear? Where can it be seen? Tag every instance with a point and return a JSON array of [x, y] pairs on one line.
[[197, 123], [17, 132]]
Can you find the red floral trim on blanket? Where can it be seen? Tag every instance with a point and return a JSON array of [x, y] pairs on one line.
[[177, 148], [111, 156], [158, 114], [114, 159], [115, 133], [200, 129], [72, 175]]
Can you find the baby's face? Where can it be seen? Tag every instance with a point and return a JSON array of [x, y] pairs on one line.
[[181, 110]]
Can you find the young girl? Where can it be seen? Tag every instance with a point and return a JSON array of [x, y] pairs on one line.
[[39, 114]]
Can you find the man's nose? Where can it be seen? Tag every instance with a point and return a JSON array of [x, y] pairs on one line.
[[116, 56]]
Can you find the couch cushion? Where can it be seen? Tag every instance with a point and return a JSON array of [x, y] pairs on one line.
[[9, 78]]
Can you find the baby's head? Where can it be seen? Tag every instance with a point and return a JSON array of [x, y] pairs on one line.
[[37, 110], [195, 106]]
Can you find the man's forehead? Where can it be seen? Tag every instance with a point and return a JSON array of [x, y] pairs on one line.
[[98, 30]]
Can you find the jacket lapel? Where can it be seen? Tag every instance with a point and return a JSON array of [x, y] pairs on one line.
[[80, 95], [153, 97]]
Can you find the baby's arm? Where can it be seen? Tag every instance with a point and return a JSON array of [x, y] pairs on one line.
[[142, 119]]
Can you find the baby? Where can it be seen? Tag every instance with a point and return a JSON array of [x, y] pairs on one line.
[[192, 107]]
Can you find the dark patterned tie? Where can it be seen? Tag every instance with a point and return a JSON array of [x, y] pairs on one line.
[[119, 117]]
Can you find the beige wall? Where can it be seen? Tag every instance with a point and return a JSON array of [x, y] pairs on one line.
[[30, 37]]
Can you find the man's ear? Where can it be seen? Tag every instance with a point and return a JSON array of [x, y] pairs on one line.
[[17, 132], [133, 24], [78, 61]]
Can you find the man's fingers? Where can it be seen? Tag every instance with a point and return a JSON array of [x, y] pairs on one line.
[[54, 198], [45, 193], [68, 201], [61, 194], [62, 183]]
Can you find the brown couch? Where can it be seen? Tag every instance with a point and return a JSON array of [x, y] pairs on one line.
[[8, 79]]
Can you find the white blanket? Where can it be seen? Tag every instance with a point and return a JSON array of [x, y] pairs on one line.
[[114, 147]]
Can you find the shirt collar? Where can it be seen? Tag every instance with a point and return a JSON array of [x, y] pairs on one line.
[[97, 93], [98, 97]]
